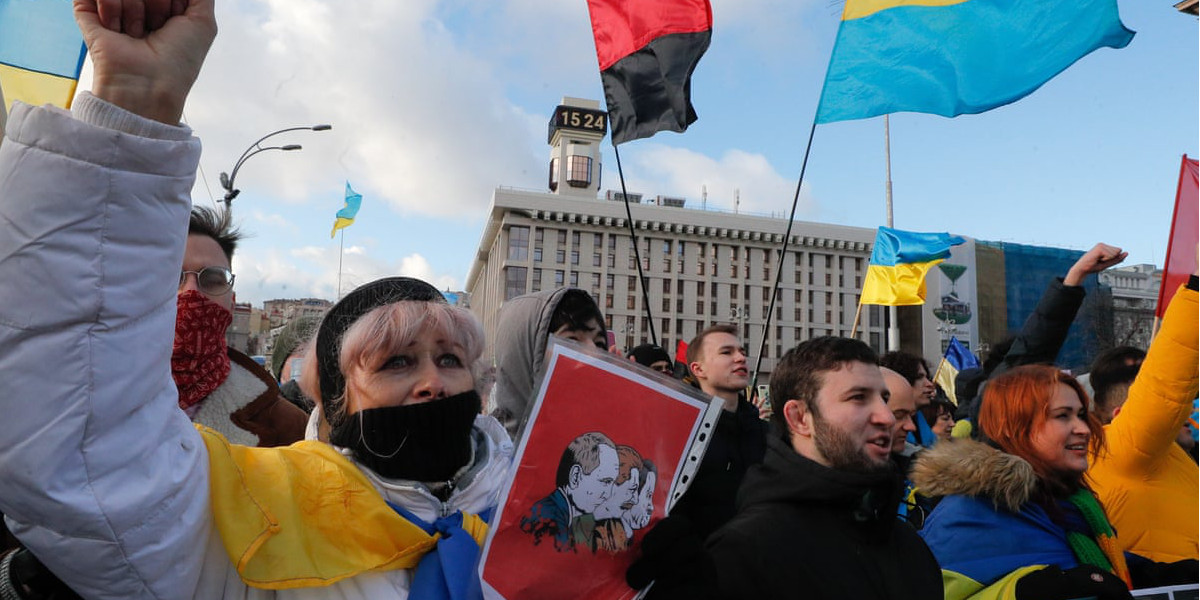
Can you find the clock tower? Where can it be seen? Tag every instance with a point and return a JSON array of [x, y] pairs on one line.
[[575, 132]]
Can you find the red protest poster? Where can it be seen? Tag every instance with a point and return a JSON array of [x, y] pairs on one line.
[[607, 444]]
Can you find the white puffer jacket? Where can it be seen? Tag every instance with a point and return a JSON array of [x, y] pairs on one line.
[[101, 475]]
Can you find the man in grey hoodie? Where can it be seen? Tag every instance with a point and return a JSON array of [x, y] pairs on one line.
[[525, 325]]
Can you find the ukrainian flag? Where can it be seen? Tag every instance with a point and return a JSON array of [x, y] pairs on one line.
[[899, 262], [345, 216], [41, 52], [952, 57], [957, 359]]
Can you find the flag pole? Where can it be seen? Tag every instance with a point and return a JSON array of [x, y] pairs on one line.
[[893, 332], [637, 255], [341, 251], [787, 237], [857, 313]]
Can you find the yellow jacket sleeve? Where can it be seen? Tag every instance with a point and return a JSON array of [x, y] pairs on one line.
[[1160, 399]]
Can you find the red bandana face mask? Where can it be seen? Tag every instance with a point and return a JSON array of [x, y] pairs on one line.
[[199, 362]]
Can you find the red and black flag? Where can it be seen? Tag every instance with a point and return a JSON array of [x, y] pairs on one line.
[[647, 51]]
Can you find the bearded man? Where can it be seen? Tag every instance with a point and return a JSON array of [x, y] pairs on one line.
[[818, 518]]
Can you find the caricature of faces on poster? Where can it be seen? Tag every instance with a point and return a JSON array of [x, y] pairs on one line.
[[606, 445]]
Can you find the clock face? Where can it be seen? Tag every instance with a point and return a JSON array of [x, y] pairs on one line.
[[582, 119]]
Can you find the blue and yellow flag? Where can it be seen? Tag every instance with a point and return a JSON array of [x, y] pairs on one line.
[[957, 359], [41, 52], [952, 57], [899, 262], [345, 216]]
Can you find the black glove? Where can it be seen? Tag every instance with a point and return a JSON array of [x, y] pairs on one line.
[[1084, 581], [29, 579], [1147, 573], [673, 557]]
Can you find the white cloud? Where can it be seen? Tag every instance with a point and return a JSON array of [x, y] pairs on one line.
[[418, 120], [312, 271], [749, 177]]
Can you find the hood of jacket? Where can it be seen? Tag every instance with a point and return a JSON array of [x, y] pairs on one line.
[[519, 353], [787, 477], [968, 468]]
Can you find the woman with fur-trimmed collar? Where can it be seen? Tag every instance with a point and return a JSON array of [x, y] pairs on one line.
[[1017, 520]]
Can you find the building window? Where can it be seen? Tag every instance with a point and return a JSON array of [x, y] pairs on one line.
[[518, 243], [562, 237], [666, 286], [539, 235], [579, 171], [560, 256], [828, 279], [574, 239], [666, 305], [612, 261], [699, 307], [554, 174], [595, 283], [537, 255], [574, 279], [514, 281], [595, 259], [631, 302], [610, 281], [574, 257], [699, 288], [678, 308], [632, 261], [558, 279], [608, 302]]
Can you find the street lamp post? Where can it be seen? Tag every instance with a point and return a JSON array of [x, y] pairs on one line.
[[227, 180]]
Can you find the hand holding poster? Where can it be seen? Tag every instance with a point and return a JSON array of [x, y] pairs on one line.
[[607, 449]]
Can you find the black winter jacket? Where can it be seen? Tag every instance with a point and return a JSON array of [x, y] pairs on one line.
[[738, 443], [807, 531]]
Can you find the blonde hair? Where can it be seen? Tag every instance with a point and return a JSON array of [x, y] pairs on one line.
[[380, 333]]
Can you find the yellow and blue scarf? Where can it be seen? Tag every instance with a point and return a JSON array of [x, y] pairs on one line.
[[305, 516]]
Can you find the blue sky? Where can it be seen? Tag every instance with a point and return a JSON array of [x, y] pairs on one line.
[[436, 103]]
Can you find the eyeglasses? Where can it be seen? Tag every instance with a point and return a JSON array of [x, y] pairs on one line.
[[213, 281]]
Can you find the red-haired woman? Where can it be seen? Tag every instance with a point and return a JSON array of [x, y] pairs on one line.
[[1017, 520]]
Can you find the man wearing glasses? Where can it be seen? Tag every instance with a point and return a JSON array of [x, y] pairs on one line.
[[220, 387]]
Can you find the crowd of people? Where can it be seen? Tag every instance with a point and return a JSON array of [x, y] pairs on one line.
[[138, 463]]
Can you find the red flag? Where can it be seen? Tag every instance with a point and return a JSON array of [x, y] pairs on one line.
[[1181, 248], [647, 51], [681, 352]]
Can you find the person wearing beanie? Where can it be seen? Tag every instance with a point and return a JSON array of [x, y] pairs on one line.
[[287, 356], [106, 480], [653, 356]]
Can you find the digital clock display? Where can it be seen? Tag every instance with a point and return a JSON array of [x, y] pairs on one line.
[[582, 119]]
